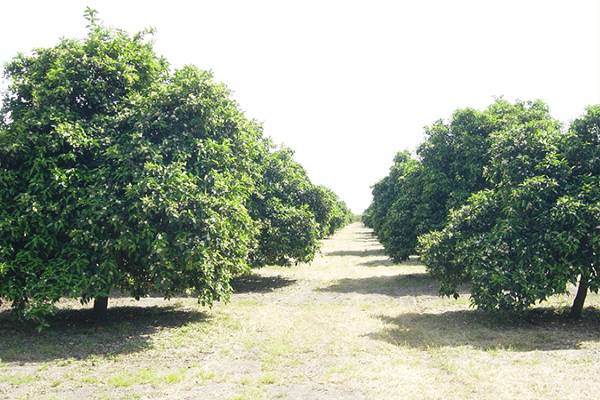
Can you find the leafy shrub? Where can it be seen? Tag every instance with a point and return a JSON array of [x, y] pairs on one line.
[[418, 194], [536, 229], [292, 213], [118, 173]]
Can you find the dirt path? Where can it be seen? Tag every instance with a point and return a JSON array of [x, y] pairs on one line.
[[348, 326]]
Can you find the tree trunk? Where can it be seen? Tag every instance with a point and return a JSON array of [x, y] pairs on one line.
[[100, 307], [577, 307]]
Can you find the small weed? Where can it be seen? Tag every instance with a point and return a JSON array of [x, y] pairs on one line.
[[268, 379], [18, 379], [146, 376], [90, 380]]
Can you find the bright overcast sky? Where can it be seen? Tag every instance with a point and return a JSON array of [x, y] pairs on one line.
[[346, 84]]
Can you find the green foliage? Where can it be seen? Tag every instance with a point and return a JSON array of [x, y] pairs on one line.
[[288, 230], [341, 216], [536, 229], [292, 213], [500, 199], [392, 213], [118, 173], [418, 194], [386, 190], [330, 212]]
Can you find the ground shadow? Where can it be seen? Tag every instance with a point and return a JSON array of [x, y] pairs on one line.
[[356, 253], [416, 284], [388, 262], [365, 232], [540, 329], [75, 334], [365, 238], [379, 262], [255, 283]]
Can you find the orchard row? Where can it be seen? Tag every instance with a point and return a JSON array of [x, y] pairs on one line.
[[118, 172], [505, 199]]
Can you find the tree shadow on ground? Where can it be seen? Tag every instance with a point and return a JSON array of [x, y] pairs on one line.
[[388, 262], [379, 262], [356, 253], [415, 284], [372, 240], [365, 238], [541, 329], [255, 283], [76, 334]]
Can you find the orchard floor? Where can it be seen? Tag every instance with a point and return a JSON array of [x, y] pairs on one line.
[[351, 325]]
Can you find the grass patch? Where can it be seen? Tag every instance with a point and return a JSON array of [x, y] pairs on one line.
[[252, 393], [268, 378], [90, 380], [339, 374], [146, 376], [19, 379]]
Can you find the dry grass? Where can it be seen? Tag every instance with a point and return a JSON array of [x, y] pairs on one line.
[[350, 325]]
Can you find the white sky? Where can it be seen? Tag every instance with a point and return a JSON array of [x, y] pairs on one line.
[[346, 84]]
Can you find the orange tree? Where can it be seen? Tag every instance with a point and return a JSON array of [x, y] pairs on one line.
[[536, 229], [117, 173], [417, 195], [291, 212]]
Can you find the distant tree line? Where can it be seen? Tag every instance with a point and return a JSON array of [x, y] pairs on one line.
[[118, 172], [504, 199]]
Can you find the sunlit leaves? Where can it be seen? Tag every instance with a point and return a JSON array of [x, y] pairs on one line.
[[118, 174], [536, 229]]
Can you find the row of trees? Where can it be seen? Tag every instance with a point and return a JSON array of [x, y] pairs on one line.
[[501, 198], [117, 172], [292, 214]]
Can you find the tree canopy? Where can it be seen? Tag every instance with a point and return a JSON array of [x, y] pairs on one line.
[[292, 213], [419, 192], [117, 172], [537, 229], [500, 198]]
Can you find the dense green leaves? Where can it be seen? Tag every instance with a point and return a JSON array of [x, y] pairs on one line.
[[501, 199], [292, 213], [119, 173], [417, 195], [536, 229], [393, 214]]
